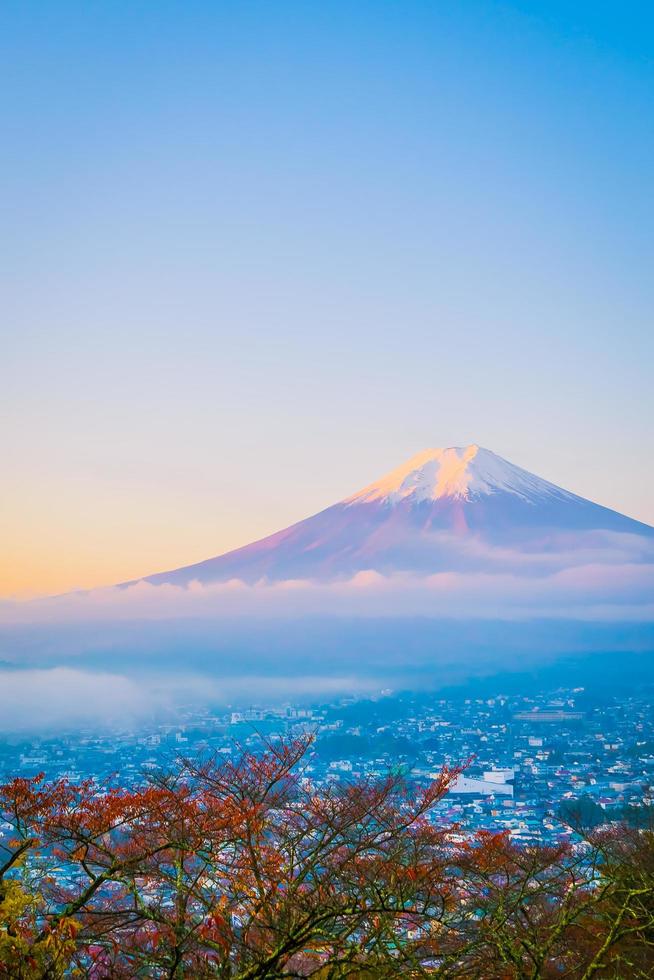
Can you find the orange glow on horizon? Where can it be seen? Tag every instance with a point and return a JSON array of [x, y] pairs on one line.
[[51, 558]]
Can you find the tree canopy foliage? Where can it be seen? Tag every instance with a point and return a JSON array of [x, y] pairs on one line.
[[243, 870]]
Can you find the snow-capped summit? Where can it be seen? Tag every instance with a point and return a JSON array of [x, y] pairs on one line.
[[459, 473], [444, 510]]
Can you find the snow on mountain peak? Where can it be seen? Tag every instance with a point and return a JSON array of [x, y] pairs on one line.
[[457, 472], [457, 509]]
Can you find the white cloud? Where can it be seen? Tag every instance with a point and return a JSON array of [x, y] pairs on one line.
[[46, 699], [589, 591], [42, 700]]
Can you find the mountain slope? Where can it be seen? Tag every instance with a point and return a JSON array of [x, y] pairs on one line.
[[444, 510]]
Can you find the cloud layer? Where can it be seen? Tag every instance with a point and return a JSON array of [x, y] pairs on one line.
[[596, 591], [35, 700], [51, 699]]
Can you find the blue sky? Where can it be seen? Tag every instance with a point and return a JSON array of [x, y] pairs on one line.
[[255, 254]]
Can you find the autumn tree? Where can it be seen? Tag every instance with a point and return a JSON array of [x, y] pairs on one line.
[[246, 870], [230, 869]]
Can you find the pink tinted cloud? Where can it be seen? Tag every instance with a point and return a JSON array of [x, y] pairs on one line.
[[589, 591]]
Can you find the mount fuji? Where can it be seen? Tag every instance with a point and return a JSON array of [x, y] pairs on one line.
[[456, 565], [457, 509]]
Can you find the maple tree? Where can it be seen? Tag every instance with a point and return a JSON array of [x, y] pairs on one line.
[[243, 869]]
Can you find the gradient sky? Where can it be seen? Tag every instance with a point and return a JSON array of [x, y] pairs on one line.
[[256, 254]]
